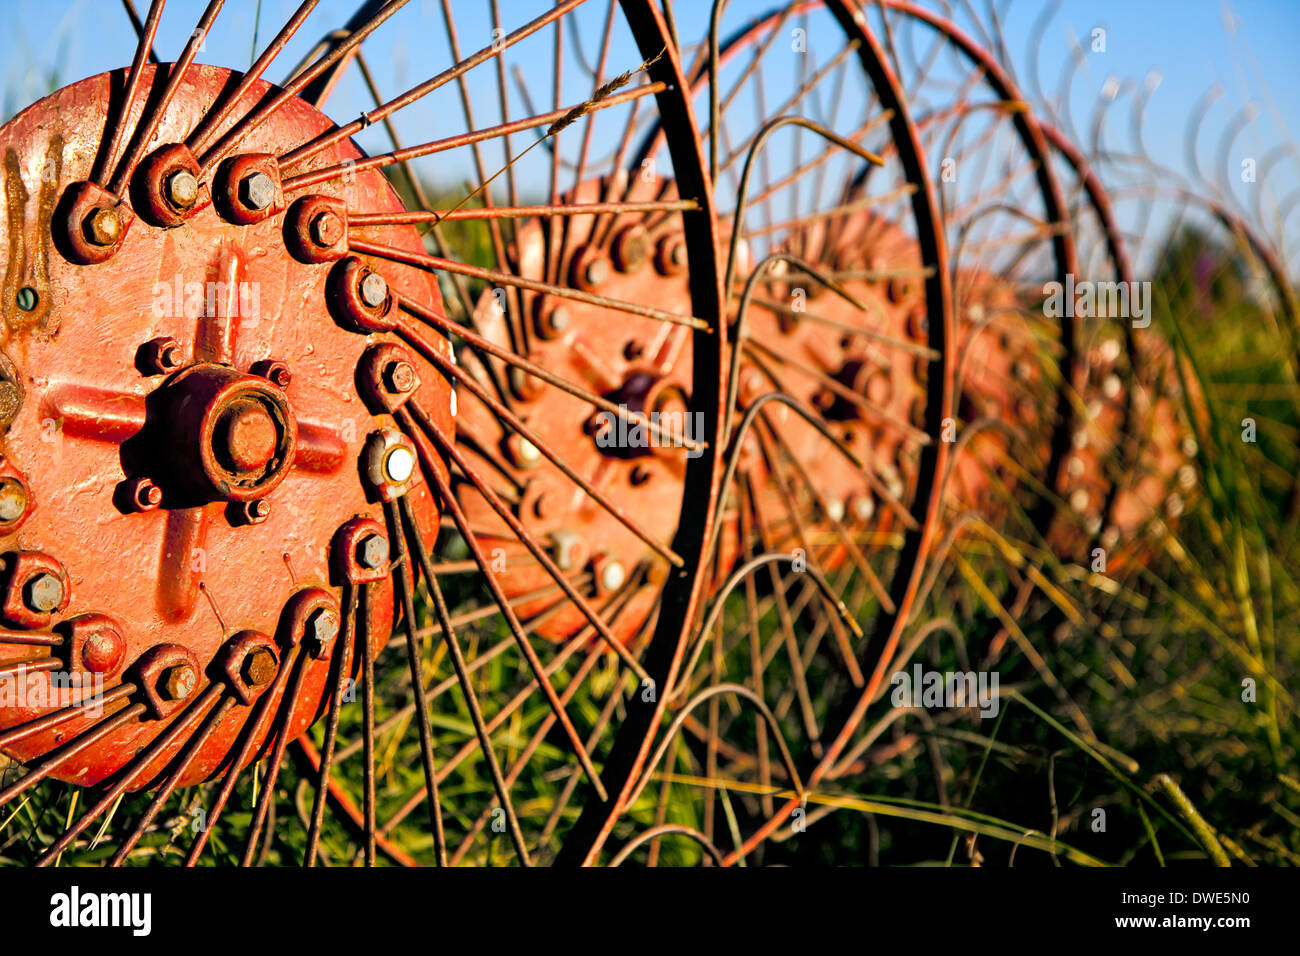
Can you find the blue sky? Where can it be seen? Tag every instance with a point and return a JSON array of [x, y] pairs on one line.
[[1188, 42]]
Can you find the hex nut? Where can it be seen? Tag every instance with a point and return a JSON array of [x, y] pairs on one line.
[[257, 191], [178, 683], [44, 593], [322, 629], [372, 552], [182, 189], [374, 290]]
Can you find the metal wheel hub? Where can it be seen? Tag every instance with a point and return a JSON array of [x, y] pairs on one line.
[[184, 424]]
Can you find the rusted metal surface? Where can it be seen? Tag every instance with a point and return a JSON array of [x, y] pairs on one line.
[[235, 417], [189, 429]]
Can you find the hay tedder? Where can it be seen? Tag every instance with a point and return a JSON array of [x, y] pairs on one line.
[[612, 473]]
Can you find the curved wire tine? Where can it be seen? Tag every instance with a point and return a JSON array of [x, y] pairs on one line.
[[367, 715], [180, 765], [800, 93], [618, 603], [874, 334], [819, 163], [739, 329], [138, 27], [30, 665], [701, 697], [260, 114], [526, 538], [571, 647], [770, 127], [130, 774], [145, 130], [830, 212], [201, 136], [430, 465], [69, 750], [537, 371], [738, 439], [432, 147], [287, 701], [666, 829], [519, 212], [252, 735], [64, 714], [405, 582], [917, 435], [463, 677], [715, 611], [463, 66], [142, 49], [437, 264], [341, 680], [856, 556]]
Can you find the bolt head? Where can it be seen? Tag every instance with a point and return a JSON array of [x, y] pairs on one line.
[[326, 229], [246, 437], [559, 318], [178, 683], [400, 376], [257, 511], [260, 667], [44, 593], [566, 549], [103, 227], [400, 464], [322, 629], [13, 500], [529, 454], [276, 373], [102, 651], [182, 189], [163, 355], [145, 495], [612, 576], [372, 552], [597, 270], [257, 191], [374, 290]]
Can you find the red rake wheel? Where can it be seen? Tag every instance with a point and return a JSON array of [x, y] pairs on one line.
[[305, 458], [629, 454], [786, 480], [839, 317], [546, 523], [196, 391]]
